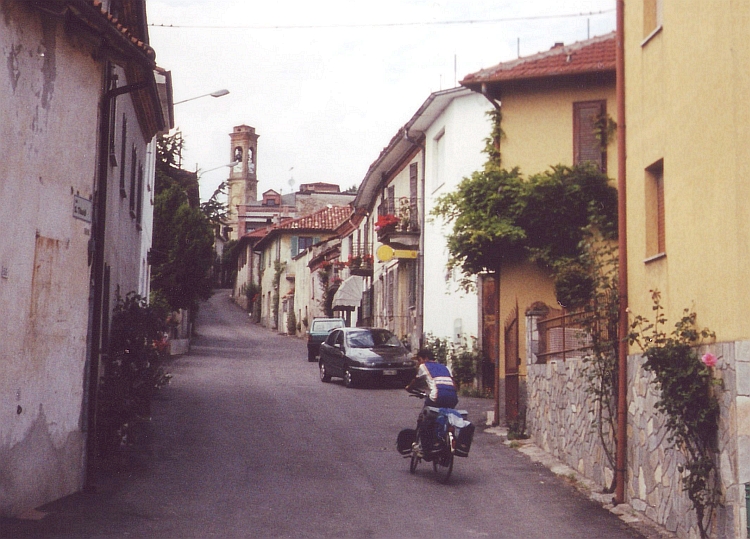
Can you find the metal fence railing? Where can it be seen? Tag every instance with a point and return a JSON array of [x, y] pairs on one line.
[[562, 335]]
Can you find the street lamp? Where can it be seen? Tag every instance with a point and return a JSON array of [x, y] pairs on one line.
[[217, 93], [230, 165]]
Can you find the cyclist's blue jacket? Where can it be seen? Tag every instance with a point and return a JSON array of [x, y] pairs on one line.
[[439, 381]]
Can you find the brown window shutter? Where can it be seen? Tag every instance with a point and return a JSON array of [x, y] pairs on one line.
[[661, 236], [586, 145], [413, 179], [392, 200]]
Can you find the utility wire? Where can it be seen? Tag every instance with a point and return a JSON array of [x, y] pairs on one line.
[[381, 25]]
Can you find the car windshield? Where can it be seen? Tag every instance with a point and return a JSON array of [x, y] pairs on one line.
[[321, 326], [371, 338]]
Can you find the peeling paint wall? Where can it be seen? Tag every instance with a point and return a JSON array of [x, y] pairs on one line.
[[49, 90]]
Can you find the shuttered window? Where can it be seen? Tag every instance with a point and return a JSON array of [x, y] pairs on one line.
[[123, 155], [587, 146], [133, 170], [656, 243], [413, 184], [140, 195], [392, 200]]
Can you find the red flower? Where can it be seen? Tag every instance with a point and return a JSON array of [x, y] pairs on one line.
[[385, 221]]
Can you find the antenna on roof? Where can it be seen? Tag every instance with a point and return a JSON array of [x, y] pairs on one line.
[[291, 180]]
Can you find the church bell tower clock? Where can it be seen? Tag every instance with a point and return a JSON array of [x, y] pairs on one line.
[[243, 179]]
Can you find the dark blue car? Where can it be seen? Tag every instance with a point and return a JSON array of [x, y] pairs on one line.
[[365, 354]]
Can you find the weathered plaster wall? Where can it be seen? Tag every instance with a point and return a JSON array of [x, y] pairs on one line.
[[49, 87]]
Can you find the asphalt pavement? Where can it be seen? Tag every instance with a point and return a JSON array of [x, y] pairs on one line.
[[247, 442]]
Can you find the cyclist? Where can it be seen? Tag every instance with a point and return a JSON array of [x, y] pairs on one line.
[[442, 392]]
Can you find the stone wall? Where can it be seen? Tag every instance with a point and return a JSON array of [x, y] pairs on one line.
[[559, 420]]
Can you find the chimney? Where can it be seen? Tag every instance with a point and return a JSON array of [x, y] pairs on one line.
[[557, 45]]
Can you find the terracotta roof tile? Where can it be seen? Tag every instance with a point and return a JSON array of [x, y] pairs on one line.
[[127, 33], [325, 219], [596, 55]]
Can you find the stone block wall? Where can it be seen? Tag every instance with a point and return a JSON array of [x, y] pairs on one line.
[[559, 420]]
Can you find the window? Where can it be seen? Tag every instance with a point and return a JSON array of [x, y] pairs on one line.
[[139, 201], [655, 229], [588, 133], [301, 243], [652, 18], [123, 152], [390, 293], [392, 200], [133, 161], [413, 194], [411, 269]]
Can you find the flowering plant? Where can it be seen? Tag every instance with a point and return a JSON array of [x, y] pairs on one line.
[[709, 360], [687, 399], [387, 220]]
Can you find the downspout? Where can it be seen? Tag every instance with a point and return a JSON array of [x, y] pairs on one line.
[[99, 234], [622, 383], [496, 276], [422, 223]]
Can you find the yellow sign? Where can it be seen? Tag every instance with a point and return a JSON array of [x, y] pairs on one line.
[[386, 253]]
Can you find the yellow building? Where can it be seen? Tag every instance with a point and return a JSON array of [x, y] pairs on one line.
[[687, 82], [688, 119], [549, 103]]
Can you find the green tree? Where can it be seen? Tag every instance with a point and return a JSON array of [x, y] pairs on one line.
[[485, 212], [182, 243], [499, 217]]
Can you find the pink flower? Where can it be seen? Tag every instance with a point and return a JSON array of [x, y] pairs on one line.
[[709, 360]]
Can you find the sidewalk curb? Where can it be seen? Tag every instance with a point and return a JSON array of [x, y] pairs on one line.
[[635, 519]]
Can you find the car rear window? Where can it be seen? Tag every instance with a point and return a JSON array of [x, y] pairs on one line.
[[319, 326]]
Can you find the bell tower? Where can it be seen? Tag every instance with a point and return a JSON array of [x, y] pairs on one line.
[[243, 179]]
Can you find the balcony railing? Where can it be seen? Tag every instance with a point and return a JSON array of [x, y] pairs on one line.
[[360, 262], [394, 231]]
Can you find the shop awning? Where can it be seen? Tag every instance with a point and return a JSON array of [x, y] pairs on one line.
[[349, 293]]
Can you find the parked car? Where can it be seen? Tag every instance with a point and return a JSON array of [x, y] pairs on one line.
[[319, 330], [365, 354]]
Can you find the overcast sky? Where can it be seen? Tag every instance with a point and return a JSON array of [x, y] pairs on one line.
[[326, 84]]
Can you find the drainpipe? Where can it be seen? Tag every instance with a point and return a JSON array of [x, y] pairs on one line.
[[622, 401], [423, 220], [99, 234], [496, 277]]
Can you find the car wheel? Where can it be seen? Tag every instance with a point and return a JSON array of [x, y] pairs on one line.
[[324, 376], [349, 378]]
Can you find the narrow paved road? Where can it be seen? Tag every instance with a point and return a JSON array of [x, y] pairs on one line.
[[246, 442]]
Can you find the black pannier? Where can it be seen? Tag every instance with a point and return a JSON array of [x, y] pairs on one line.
[[463, 440], [405, 440]]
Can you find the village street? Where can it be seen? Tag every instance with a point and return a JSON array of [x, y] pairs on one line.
[[247, 442]]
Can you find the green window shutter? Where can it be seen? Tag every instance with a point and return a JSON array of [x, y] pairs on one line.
[[295, 246]]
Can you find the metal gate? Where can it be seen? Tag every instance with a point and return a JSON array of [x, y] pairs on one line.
[[512, 361]]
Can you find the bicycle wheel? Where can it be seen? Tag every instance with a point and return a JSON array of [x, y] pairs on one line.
[[443, 465]]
